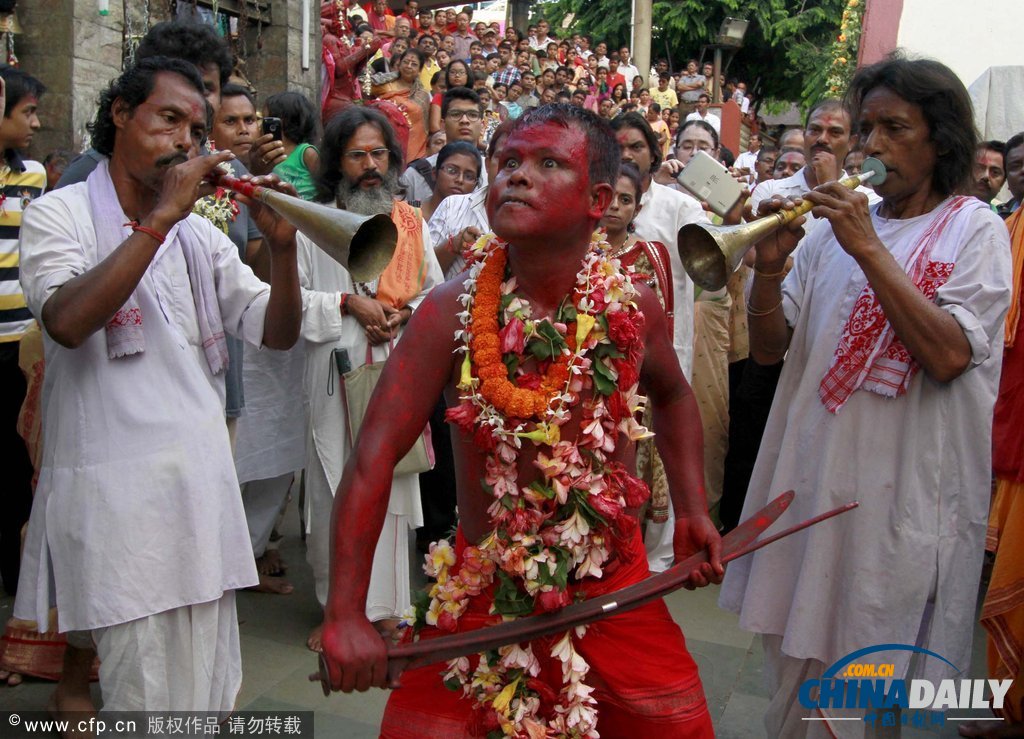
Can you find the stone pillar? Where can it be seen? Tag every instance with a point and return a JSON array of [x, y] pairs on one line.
[[76, 52], [274, 61], [642, 31]]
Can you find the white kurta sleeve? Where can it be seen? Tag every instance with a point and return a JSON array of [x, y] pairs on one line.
[[439, 226], [977, 293], [795, 282], [321, 311], [51, 251], [241, 295]]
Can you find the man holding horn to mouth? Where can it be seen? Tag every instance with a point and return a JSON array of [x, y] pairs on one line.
[[892, 319], [137, 519]]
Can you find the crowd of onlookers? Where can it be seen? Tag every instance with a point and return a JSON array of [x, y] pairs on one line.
[[413, 57], [409, 123]]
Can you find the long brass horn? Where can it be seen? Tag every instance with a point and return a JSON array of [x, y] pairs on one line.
[[361, 244], [711, 253]]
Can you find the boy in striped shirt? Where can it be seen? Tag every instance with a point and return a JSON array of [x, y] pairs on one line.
[[21, 181]]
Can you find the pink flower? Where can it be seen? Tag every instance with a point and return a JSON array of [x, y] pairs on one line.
[[529, 381], [617, 407], [521, 521], [446, 622], [463, 415], [553, 600], [628, 373], [512, 337], [607, 508], [483, 438]]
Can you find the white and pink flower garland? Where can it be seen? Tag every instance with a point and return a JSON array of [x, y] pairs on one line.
[[562, 527]]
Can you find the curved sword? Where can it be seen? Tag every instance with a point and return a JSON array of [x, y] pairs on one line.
[[737, 543]]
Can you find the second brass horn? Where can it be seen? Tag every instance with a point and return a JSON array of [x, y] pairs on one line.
[[711, 253], [361, 244]]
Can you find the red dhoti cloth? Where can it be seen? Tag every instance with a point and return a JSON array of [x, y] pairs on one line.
[[646, 683]]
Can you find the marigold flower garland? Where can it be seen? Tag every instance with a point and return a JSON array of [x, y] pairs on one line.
[[562, 527]]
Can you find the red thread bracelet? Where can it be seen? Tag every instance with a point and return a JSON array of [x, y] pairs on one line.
[[153, 233], [341, 306]]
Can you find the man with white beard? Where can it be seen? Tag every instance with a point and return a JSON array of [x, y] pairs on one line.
[[360, 163]]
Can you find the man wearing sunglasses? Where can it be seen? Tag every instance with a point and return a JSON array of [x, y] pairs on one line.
[[354, 323], [462, 114]]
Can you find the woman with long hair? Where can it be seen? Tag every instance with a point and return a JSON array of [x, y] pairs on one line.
[[456, 74], [408, 94]]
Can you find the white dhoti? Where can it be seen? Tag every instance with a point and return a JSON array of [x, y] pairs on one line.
[[390, 592], [271, 436], [185, 659], [263, 500], [329, 337]]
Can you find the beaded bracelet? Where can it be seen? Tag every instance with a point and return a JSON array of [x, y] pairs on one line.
[[135, 226], [759, 313]]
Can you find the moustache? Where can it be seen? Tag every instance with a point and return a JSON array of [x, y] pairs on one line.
[[822, 147], [373, 174], [171, 160]]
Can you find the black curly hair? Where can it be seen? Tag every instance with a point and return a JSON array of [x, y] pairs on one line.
[[133, 88], [193, 42]]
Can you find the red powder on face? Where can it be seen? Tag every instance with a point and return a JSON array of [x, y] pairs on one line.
[[543, 185]]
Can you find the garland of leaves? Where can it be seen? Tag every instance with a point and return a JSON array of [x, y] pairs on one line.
[[845, 48]]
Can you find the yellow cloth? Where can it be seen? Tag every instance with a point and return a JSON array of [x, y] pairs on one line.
[[711, 391], [1016, 225], [1002, 614]]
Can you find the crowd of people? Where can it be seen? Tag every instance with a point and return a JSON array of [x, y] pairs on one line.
[[178, 357], [411, 58]]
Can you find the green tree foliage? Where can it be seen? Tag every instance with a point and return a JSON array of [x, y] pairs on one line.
[[786, 47]]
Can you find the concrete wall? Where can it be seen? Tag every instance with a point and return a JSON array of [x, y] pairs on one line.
[[76, 52], [967, 37]]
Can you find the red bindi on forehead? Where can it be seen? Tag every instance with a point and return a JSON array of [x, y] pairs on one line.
[[831, 119]]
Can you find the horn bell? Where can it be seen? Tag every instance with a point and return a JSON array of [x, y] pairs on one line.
[[363, 245]]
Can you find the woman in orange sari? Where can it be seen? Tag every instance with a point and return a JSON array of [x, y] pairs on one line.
[[408, 94]]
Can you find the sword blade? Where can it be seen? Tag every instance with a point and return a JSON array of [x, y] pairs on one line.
[[739, 542]]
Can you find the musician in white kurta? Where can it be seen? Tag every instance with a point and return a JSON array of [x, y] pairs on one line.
[[893, 320], [325, 329], [918, 464], [137, 510]]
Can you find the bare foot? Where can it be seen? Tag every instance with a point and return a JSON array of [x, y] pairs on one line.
[[991, 729], [70, 703], [273, 585], [315, 640], [271, 563], [11, 679]]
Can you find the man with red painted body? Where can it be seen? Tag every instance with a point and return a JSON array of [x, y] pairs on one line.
[[553, 184]]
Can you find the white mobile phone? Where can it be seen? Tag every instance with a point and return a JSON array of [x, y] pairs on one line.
[[708, 180]]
